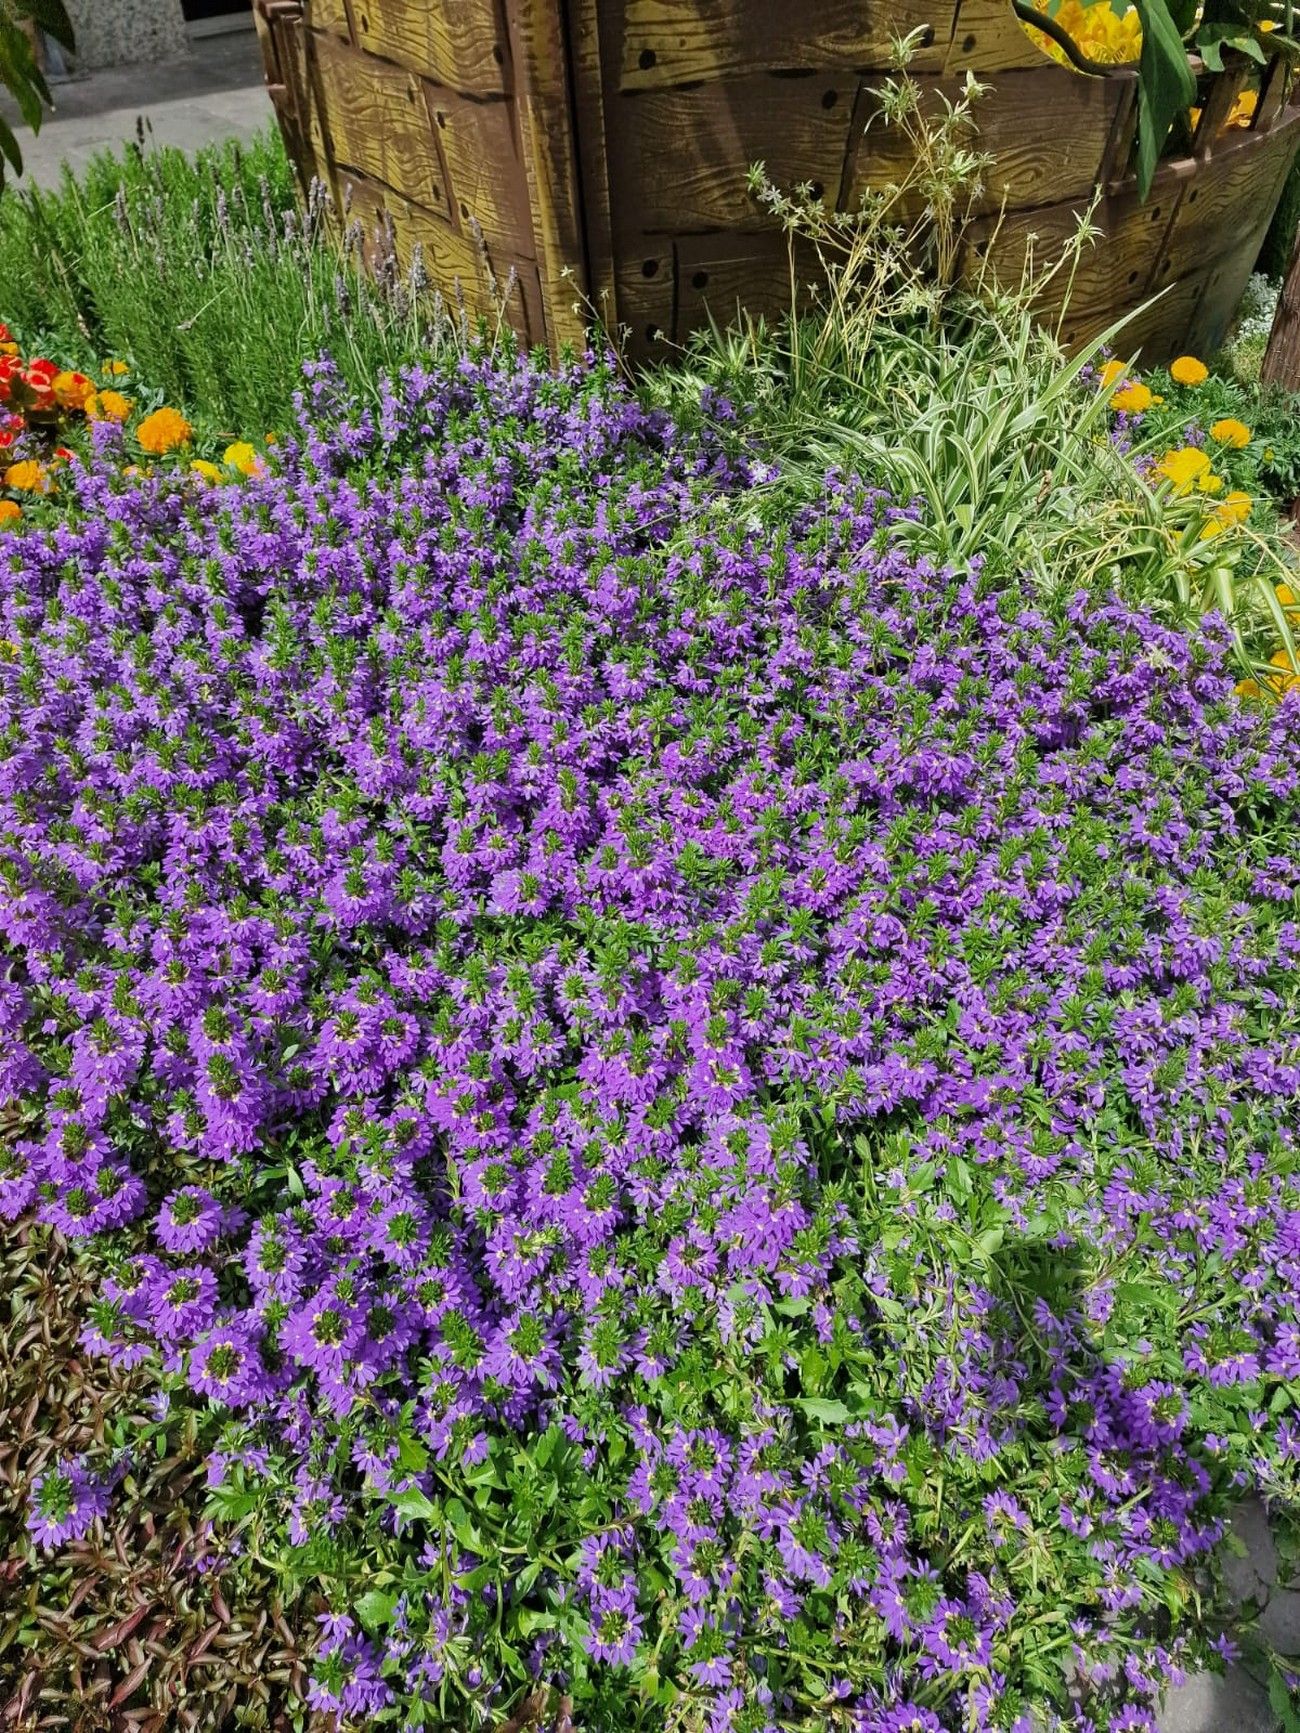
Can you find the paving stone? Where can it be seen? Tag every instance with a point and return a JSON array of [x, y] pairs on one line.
[[1280, 1621], [1254, 1576], [1235, 1703]]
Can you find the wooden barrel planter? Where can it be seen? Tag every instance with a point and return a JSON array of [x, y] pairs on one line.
[[570, 155]]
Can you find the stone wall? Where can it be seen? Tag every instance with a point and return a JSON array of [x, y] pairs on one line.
[[118, 32]]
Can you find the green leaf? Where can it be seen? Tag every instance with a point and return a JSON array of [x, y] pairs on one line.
[[375, 1608], [819, 1408], [413, 1503], [1212, 39], [9, 148], [53, 19], [1165, 86]]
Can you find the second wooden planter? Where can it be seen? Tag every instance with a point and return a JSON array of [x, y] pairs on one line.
[[571, 157]]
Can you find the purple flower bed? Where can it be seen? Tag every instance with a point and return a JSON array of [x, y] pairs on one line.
[[717, 1106]]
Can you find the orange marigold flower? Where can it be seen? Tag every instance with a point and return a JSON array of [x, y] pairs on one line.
[[1134, 397], [1232, 432], [163, 431], [1112, 373], [1186, 468], [107, 406], [71, 390], [1187, 370], [10, 511], [27, 477]]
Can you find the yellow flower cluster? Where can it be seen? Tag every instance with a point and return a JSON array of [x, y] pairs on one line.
[[163, 431], [1096, 29], [1189, 469]]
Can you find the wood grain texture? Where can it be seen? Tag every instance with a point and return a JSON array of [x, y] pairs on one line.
[[378, 123], [505, 288], [712, 134], [1114, 273], [463, 44], [331, 16], [988, 37], [544, 118], [669, 42], [482, 155], [1230, 194], [1036, 161]]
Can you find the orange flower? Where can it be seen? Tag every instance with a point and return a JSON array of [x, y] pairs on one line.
[[1187, 370], [1134, 397], [107, 406], [10, 511], [1232, 432], [243, 457], [1112, 373], [163, 431], [27, 477], [71, 390]]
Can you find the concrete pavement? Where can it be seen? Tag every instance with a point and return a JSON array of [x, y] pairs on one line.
[[213, 93]]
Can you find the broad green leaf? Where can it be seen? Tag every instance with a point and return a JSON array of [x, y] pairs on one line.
[[820, 1408], [375, 1608], [413, 1503], [1165, 86]]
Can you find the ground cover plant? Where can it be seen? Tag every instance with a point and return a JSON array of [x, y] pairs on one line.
[[713, 1103]]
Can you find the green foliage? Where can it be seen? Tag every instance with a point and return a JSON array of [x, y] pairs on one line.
[[204, 274], [1165, 86], [20, 74]]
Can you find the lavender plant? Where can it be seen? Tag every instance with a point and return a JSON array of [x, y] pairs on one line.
[[714, 1102]]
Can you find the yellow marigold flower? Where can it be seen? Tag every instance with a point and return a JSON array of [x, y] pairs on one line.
[[115, 369], [1184, 468], [1214, 527], [27, 477], [208, 471], [1234, 508], [107, 406], [1230, 431], [1134, 398], [1187, 370], [1112, 373], [1249, 689], [1209, 482], [1286, 676], [163, 431], [1284, 593], [10, 512], [71, 390], [243, 457]]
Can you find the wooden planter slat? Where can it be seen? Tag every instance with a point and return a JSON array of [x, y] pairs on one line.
[[653, 43], [593, 155], [1035, 160], [462, 44]]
